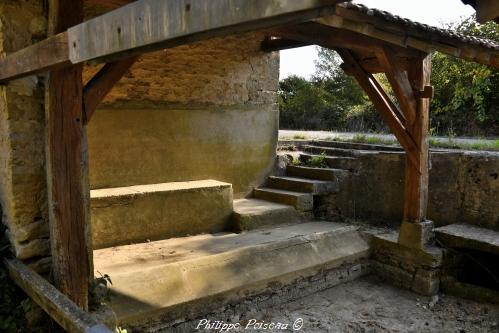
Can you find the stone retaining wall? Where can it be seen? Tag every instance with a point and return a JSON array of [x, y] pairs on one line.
[[463, 187], [22, 155]]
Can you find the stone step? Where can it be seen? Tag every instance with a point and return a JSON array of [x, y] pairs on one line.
[[354, 145], [326, 174], [252, 214], [335, 162], [142, 213], [465, 236], [179, 277], [330, 151], [298, 184], [300, 200]]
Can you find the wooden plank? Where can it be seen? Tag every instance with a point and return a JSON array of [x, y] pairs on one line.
[[379, 99], [416, 178], [100, 85], [277, 44], [399, 81], [67, 167], [50, 53], [59, 307], [148, 25]]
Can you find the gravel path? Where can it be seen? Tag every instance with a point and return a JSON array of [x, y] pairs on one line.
[[369, 305]]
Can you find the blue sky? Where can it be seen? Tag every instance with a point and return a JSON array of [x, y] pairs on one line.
[[300, 61]]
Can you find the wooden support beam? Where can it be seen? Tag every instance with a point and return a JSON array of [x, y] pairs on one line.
[[399, 81], [383, 105], [51, 53], [277, 44], [102, 83], [59, 307], [67, 178], [416, 178]]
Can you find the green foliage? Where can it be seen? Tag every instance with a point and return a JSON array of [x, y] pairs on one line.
[[13, 302], [99, 291], [318, 161], [466, 98]]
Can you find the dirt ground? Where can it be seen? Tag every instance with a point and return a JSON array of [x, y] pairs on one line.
[[369, 305]]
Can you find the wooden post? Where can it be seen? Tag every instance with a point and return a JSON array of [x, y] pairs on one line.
[[67, 178], [415, 230]]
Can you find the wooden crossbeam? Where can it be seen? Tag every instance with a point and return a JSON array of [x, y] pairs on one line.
[[277, 44], [382, 104], [51, 53], [150, 25], [67, 178], [102, 83], [399, 81]]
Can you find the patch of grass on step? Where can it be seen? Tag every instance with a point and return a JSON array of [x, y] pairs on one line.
[[318, 161]]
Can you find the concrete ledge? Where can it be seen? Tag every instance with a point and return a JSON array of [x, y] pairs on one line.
[[300, 200], [468, 237], [135, 214], [154, 278]]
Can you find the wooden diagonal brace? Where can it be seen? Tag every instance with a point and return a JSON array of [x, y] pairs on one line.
[[399, 81], [100, 85], [382, 104]]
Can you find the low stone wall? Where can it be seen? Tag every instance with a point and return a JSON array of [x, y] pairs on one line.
[[463, 187]]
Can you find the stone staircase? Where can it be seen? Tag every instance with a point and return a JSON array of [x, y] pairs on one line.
[[172, 250]]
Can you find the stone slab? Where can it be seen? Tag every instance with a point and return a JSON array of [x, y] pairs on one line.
[[300, 200], [338, 162], [153, 278], [298, 184], [469, 237], [316, 173], [142, 213], [252, 214]]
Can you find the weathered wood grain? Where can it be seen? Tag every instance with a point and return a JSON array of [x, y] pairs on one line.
[[148, 25], [382, 104], [67, 178], [416, 178], [102, 83], [54, 303], [50, 53]]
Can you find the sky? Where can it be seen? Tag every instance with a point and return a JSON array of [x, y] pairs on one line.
[[300, 61]]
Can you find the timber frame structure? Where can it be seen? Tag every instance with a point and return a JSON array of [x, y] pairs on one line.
[[368, 41]]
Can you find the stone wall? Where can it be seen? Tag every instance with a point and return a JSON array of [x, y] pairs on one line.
[[463, 187], [22, 156], [201, 111]]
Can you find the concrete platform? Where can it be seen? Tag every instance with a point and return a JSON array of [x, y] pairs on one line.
[[298, 184], [468, 237], [136, 214], [252, 214], [153, 279], [300, 200]]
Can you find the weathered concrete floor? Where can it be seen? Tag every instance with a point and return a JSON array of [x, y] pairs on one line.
[[369, 305]]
